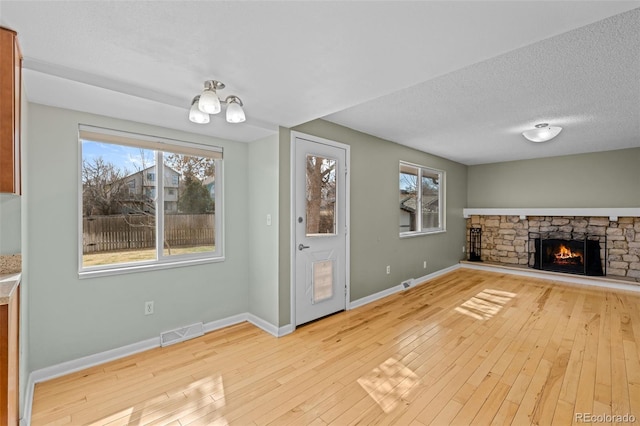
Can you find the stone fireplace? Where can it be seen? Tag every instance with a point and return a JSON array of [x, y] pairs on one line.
[[610, 244]]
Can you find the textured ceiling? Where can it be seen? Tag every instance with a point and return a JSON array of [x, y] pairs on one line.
[[457, 79], [586, 81]]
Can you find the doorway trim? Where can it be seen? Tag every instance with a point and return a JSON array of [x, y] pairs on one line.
[[292, 214]]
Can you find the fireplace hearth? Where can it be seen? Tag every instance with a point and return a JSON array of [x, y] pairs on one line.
[[567, 253]]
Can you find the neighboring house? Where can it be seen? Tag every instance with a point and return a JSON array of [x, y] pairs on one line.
[[408, 211], [141, 188]]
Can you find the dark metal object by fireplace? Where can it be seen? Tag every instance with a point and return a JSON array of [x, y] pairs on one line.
[[475, 243], [568, 252]]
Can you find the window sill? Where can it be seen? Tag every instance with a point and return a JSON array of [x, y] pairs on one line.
[[420, 234], [129, 269]]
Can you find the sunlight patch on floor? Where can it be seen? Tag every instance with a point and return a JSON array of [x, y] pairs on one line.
[[485, 304], [388, 383], [210, 386]]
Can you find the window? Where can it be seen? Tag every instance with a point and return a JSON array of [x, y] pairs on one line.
[[421, 200], [150, 193], [321, 196], [144, 202], [132, 186]]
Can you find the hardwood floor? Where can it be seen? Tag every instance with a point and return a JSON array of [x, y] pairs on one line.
[[469, 347]]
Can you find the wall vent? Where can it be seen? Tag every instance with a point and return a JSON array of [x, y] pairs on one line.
[[181, 334], [407, 283]]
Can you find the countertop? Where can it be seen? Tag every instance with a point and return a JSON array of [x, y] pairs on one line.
[[8, 285]]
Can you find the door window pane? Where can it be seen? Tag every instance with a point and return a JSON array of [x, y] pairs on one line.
[[321, 196]]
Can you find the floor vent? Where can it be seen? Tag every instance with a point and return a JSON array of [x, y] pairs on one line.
[[406, 284], [181, 334]]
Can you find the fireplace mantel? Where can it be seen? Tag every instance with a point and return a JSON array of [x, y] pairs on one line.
[[612, 212]]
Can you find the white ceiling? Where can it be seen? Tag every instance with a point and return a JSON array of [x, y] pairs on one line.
[[457, 79]]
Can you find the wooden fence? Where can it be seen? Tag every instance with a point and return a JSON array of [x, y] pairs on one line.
[[130, 232]]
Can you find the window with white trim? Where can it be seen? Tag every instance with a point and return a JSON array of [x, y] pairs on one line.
[[144, 202], [421, 200]]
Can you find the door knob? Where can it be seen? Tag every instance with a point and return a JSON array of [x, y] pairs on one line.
[[302, 247]]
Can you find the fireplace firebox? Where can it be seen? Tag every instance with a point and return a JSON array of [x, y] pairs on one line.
[[567, 252]]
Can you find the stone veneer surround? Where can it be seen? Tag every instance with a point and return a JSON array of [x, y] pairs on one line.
[[505, 239]]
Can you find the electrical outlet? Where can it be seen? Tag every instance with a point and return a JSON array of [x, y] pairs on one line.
[[388, 269], [464, 249], [148, 308], [424, 265]]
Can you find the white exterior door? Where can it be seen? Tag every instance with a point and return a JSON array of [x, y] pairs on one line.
[[320, 244]]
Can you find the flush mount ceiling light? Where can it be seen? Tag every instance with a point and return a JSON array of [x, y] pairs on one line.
[[542, 133], [208, 103]]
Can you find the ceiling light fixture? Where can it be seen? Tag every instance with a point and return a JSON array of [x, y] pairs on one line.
[[208, 103], [542, 133]]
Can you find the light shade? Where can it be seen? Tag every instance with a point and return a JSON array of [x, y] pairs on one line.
[[209, 102], [235, 113], [542, 133], [195, 115]]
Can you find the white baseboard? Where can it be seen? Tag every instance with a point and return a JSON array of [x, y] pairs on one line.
[[436, 274], [224, 322], [265, 325], [268, 327], [286, 329], [398, 288], [72, 366], [567, 278], [375, 296], [25, 420]]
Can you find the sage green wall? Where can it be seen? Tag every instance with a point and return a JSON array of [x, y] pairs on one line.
[[374, 229], [10, 237], [284, 224], [263, 246], [602, 179], [70, 318]]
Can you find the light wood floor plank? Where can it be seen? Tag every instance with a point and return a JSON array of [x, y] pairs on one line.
[[619, 376], [469, 347]]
